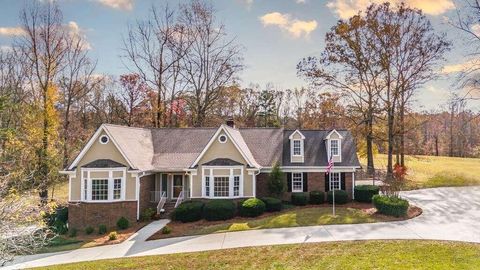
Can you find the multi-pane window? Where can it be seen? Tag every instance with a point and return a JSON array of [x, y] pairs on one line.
[[335, 181], [207, 186], [236, 186], [297, 182], [334, 147], [99, 189], [221, 186], [297, 148], [85, 189], [117, 188]]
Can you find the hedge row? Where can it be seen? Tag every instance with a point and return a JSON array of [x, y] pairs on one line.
[[318, 197], [364, 193], [391, 206]]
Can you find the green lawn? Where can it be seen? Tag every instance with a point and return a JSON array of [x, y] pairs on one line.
[[335, 255], [321, 215], [432, 171]]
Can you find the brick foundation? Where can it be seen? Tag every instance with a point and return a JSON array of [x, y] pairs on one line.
[[81, 215], [316, 181]]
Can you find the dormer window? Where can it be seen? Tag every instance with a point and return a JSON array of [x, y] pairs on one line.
[[297, 147], [334, 147]]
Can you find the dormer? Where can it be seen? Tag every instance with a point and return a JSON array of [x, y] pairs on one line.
[[297, 146], [333, 143]]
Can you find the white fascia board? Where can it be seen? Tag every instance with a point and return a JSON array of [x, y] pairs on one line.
[[296, 131], [330, 133]]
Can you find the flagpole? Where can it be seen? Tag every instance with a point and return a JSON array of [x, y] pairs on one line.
[[333, 188]]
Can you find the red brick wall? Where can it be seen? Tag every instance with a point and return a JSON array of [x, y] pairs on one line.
[[81, 215], [147, 184], [316, 181]]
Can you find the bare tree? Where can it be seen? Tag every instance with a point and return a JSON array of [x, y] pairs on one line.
[[132, 94], [44, 48], [212, 62]]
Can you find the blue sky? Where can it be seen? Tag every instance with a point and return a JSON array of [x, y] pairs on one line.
[[275, 34]]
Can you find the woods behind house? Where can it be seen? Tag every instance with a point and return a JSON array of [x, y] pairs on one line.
[[184, 69]]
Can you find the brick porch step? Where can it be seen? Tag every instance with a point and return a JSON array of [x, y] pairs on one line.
[[168, 209]]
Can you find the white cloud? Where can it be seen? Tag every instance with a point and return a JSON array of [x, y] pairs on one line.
[[460, 67], [476, 29], [12, 31], [295, 27], [125, 5], [5, 48], [301, 1], [76, 32], [347, 8]]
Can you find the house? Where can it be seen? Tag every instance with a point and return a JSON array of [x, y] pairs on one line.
[[124, 170]]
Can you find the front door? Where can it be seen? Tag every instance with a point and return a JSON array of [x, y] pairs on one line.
[[177, 186]]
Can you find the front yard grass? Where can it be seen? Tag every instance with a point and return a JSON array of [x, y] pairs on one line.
[[294, 217], [399, 254], [433, 171]]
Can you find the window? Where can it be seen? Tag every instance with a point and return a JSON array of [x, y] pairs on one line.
[[221, 186], [334, 147], [222, 139], [207, 186], [104, 139], [297, 148], [99, 189], [117, 189], [335, 181], [85, 189], [297, 182], [236, 186]]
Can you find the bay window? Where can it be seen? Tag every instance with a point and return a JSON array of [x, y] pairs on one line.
[[103, 186], [222, 182]]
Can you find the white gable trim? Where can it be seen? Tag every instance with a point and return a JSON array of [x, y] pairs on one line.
[[297, 131], [330, 134], [195, 163], [90, 143]]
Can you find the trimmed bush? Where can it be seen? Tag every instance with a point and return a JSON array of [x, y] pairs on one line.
[[188, 211], [391, 206], [364, 193], [60, 227], [317, 197], [61, 213], [341, 196], [112, 236], [102, 229], [272, 204], [166, 230], [219, 210], [299, 199], [89, 230], [148, 213], [252, 207], [72, 232], [122, 223]]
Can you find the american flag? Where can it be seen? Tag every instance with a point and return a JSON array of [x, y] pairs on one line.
[[330, 164]]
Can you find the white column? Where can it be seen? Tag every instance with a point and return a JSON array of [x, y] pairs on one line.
[[211, 183], [254, 184], [124, 185], [203, 183], [89, 187], [137, 194], [353, 185], [240, 187], [190, 180], [230, 184], [110, 185]]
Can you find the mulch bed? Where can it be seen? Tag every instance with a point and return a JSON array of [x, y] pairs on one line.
[[181, 229]]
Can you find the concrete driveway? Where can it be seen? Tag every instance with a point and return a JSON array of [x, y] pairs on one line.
[[448, 214]]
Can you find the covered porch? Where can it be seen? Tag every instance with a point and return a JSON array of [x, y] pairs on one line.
[[170, 186]]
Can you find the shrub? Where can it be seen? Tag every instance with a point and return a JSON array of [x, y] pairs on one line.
[[252, 207], [72, 232], [317, 197], [364, 193], [299, 198], [166, 230], [62, 214], [122, 223], [148, 214], [276, 181], [341, 196], [102, 229], [188, 211], [272, 204], [89, 230], [60, 227], [112, 236], [391, 206], [219, 210]]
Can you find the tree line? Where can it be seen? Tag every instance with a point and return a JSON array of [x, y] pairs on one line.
[[183, 70]]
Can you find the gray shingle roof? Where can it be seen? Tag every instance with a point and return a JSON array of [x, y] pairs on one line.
[[177, 148]]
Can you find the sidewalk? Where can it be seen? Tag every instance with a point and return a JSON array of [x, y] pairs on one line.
[[448, 214]]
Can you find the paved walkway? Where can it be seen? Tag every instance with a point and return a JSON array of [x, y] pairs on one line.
[[448, 214]]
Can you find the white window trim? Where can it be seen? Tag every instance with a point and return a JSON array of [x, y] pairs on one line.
[[301, 147], [338, 147], [301, 181], [209, 171], [110, 179], [339, 180]]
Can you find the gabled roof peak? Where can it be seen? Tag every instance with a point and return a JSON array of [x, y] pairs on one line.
[[332, 132], [297, 132]]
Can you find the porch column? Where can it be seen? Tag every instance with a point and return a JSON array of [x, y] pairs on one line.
[[353, 185]]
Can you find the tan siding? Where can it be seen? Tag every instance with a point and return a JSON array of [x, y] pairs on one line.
[[102, 151]]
